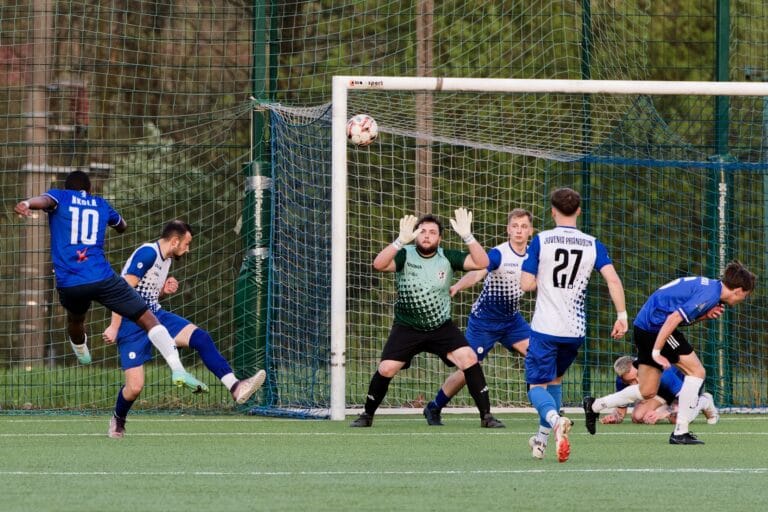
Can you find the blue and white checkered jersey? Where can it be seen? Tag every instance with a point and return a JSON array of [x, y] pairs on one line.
[[500, 297], [562, 259], [690, 296], [148, 265]]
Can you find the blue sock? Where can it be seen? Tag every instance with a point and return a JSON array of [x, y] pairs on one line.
[[556, 390], [543, 402], [122, 406], [440, 401], [202, 342]]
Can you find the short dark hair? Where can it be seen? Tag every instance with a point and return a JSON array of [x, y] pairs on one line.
[[565, 200], [78, 180], [176, 228], [430, 218], [736, 275]]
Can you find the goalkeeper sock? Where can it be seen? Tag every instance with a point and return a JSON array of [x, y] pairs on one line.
[[441, 400], [202, 342], [377, 390], [164, 344], [626, 396], [478, 388], [122, 406], [687, 400]]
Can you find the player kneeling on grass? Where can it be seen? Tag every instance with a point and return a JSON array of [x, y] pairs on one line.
[[662, 406], [147, 271]]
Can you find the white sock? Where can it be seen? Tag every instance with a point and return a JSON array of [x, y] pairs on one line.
[[164, 344], [703, 402], [552, 418], [687, 401], [626, 396], [543, 434], [229, 380]]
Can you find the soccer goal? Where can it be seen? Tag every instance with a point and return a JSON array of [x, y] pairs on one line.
[[674, 179]]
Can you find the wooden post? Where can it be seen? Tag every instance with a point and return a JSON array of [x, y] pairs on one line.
[[35, 268], [424, 106]]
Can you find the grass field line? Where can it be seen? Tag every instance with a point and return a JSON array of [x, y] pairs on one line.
[[432, 433], [654, 470]]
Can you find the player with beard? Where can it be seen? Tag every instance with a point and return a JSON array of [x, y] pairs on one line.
[[423, 275], [147, 271]]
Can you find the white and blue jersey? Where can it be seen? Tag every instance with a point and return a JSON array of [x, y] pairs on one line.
[[495, 315], [562, 259], [78, 223], [146, 263], [689, 296]]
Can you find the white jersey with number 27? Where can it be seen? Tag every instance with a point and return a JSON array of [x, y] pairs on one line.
[[562, 259]]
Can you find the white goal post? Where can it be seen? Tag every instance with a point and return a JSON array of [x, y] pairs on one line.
[[342, 85]]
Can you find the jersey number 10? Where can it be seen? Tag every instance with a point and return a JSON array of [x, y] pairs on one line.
[[85, 226]]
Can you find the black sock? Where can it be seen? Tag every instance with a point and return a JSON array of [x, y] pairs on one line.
[[478, 388], [377, 390]]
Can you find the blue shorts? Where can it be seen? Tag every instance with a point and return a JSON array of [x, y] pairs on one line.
[[549, 357], [482, 335], [133, 342]]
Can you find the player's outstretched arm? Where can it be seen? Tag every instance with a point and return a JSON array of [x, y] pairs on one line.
[[616, 291], [385, 260], [462, 225], [468, 280], [25, 207]]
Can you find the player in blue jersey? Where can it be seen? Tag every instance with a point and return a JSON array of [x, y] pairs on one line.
[[559, 264], [147, 271], [495, 316], [644, 411], [660, 343], [423, 322], [78, 222]]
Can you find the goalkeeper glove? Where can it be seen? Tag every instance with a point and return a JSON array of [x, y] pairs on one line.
[[408, 231], [462, 225]]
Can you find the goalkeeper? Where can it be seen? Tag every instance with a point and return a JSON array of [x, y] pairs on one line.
[[423, 274]]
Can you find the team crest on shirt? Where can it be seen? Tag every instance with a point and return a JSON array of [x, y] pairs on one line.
[[441, 275]]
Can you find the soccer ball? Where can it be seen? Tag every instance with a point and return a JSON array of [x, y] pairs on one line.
[[362, 130]]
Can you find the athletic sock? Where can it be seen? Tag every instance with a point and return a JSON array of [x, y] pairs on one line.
[[556, 391], [543, 402], [440, 401], [377, 390], [626, 396], [202, 342], [164, 344], [686, 403], [122, 406], [478, 388], [229, 380]]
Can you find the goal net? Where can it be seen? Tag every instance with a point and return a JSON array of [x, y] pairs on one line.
[[669, 198]]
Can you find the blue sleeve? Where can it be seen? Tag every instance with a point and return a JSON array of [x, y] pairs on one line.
[[602, 259], [140, 262], [494, 255], [56, 195], [705, 298], [531, 261], [620, 384]]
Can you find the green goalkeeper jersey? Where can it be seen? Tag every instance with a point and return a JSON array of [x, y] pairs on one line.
[[423, 286]]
